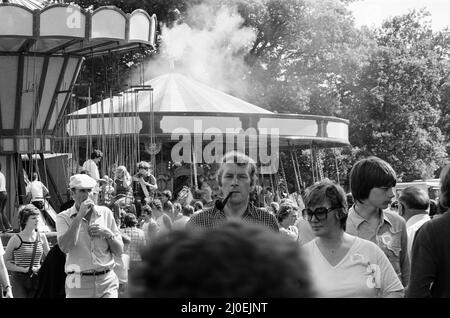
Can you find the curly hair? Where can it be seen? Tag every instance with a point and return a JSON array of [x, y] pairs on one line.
[[25, 212], [235, 260]]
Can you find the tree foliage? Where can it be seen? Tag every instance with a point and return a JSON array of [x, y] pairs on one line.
[[396, 106]]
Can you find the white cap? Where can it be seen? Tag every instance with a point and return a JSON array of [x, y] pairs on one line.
[[82, 181]]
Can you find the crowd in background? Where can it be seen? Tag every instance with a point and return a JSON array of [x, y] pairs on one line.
[[325, 242]]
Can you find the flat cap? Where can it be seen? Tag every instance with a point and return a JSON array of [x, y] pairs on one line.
[[82, 181]]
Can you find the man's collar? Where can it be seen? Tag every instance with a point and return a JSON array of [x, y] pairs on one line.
[[358, 219], [250, 210], [416, 218]]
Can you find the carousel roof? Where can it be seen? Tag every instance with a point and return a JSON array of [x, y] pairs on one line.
[[48, 27], [182, 105], [174, 92]]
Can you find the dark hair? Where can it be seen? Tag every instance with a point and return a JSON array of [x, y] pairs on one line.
[[241, 160], [96, 154], [327, 191], [35, 176], [235, 259], [415, 198], [84, 172], [284, 211], [156, 204], [370, 173], [444, 198], [25, 213], [188, 210], [168, 194], [433, 208], [147, 209], [130, 220], [198, 205], [349, 199]]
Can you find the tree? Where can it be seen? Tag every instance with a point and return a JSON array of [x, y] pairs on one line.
[[395, 107]]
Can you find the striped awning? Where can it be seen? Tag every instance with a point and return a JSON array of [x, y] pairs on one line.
[[174, 92]]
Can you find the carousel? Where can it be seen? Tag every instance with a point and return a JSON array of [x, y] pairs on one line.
[[42, 47], [184, 126]]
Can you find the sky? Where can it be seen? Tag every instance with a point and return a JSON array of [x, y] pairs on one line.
[[373, 12]]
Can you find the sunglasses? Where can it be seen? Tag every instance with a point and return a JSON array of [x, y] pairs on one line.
[[321, 213]]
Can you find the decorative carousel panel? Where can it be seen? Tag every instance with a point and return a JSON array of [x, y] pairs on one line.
[[8, 65], [67, 21], [32, 74], [199, 124], [140, 26], [337, 130], [289, 126], [108, 22], [106, 126], [11, 44], [54, 68], [67, 80], [9, 25]]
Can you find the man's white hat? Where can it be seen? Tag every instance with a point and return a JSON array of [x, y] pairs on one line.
[[82, 181]]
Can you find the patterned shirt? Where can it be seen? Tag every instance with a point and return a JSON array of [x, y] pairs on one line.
[[211, 217], [390, 235], [137, 237]]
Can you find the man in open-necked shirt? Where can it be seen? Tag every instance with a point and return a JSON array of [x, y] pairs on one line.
[[89, 236], [372, 182], [413, 207], [236, 176]]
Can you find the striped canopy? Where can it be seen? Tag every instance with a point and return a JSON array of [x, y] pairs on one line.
[[174, 92]]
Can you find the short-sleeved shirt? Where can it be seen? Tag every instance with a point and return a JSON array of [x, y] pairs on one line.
[[89, 253], [363, 272], [137, 241], [92, 169], [412, 225], [390, 235], [36, 189], [211, 217]]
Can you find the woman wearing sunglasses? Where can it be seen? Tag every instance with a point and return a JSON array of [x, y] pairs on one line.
[[343, 265]]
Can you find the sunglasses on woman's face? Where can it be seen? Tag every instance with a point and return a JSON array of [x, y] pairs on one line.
[[321, 213]]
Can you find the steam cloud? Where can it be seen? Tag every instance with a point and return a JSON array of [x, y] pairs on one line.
[[209, 46]]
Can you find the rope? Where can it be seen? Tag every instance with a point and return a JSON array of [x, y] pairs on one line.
[[299, 174], [295, 171]]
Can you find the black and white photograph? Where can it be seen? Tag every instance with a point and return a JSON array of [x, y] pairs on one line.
[[224, 154]]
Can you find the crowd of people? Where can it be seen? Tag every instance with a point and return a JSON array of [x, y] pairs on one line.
[[118, 239]]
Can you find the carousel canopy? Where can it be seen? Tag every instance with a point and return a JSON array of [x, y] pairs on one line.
[[183, 105], [42, 47], [35, 26], [174, 92]]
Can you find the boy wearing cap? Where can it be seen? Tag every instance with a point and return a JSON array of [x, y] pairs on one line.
[[89, 236]]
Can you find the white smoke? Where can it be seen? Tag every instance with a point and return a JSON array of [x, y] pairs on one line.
[[209, 46]]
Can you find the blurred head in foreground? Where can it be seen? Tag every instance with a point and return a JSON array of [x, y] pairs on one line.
[[234, 260]]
